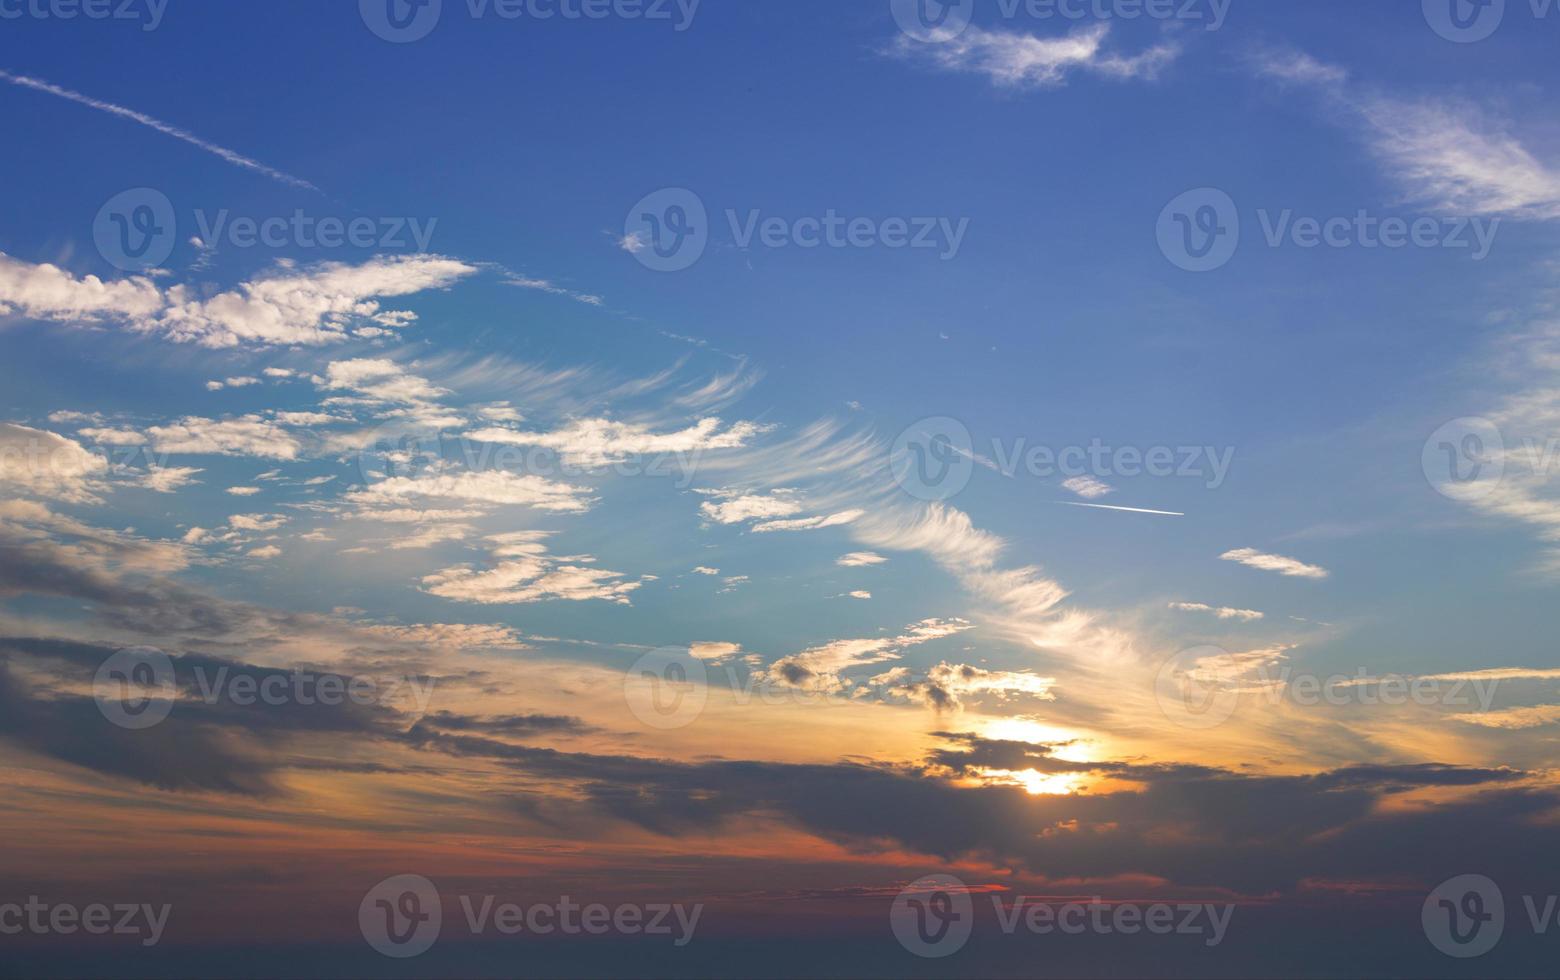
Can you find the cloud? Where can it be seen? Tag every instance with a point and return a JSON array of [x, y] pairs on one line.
[[490, 487], [947, 686], [237, 159], [771, 511], [47, 292], [526, 573], [819, 668], [169, 479], [380, 379], [1223, 612], [599, 442], [1087, 487], [1450, 154], [247, 435], [715, 652], [1015, 60], [39, 463], [860, 559], [735, 507], [705, 570], [1513, 719], [1274, 563], [548, 286], [317, 305]]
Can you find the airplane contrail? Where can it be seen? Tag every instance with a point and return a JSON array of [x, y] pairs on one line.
[[1130, 510], [237, 159]]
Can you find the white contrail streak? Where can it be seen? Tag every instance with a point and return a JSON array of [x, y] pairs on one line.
[[237, 159], [1130, 510]]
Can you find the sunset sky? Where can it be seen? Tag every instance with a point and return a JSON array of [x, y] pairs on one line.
[[753, 456]]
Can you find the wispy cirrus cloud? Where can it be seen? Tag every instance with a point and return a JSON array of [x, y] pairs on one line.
[[1448, 153], [1012, 59]]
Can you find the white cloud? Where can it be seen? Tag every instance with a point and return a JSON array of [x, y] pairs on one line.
[[948, 685], [860, 559], [819, 668], [47, 292], [43, 464], [429, 536], [239, 382], [715, 652], [705, 570], [1223, 612], [770, 510], [598, 442], [381, 380], [256, 522], [526, 573], [1274, 563], [1013, 59], [243, 491], [167, 479], [247, 435], [1451, 155], [1088, 487], [491, 487], [266, 551], [313, 306]]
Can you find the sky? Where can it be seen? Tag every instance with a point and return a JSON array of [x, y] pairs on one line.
[[844, 475]]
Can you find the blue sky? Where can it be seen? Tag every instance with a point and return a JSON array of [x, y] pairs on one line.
[[267, 382]]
